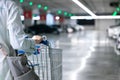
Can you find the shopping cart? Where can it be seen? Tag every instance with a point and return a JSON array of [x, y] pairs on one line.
[[47, 62]]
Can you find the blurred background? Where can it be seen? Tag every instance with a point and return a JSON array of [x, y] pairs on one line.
[[87, 31]]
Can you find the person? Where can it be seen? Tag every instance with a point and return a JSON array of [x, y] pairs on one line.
[[12, 34]]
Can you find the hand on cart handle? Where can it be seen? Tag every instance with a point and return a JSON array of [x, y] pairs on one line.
[[40, 39], [37, 39], [45, 41]]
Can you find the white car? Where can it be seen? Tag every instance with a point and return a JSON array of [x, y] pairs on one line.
[[79, 27], [113, 32], [117, 46]]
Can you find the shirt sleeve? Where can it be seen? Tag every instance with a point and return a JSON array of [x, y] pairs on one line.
[[17, 36]]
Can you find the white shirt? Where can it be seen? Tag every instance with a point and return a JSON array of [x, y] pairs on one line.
[[11, 33]]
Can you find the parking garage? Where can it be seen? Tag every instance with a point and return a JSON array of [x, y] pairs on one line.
[[80, 38]]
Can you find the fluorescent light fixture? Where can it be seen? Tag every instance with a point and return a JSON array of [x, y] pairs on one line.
[[36, 17], [22, 17], [81, 17], [92, 15], [95, 17], [84, 7], [108, 17]]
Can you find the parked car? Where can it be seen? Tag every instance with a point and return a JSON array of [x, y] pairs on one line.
[[58, 26], [41, 28], [73, 28], [79, 27], [113, 31], [117, 46]]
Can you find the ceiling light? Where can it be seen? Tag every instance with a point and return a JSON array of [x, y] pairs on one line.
[[96, 17], [81, 17], [30, 3], [84, 7], [65, 13], [22, 17], [45, 8], [59, 12], [118, 9], [21, 1], [108, 17], [39, 6], [57, 17], [70, 15], [36, 18], [115, 13]]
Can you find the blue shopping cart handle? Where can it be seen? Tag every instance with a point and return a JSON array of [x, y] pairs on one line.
[[32, 65], [20, 52], [45, 42], [36, 52]]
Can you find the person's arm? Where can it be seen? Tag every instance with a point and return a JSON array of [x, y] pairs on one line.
[[18, 38]]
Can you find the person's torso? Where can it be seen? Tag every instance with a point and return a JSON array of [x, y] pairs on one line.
[[4, 37]]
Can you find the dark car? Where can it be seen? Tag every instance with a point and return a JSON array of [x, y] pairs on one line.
[[41, 28]]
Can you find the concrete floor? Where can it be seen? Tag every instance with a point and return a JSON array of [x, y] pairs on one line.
[[87, 55]]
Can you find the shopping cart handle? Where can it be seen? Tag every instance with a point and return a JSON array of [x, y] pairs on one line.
[[45, 42], [20, 52], [32, 65], [36, 52]]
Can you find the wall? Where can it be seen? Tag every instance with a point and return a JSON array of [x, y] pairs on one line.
[[74, 22], [102, 24], [27, 22], [70, 21]]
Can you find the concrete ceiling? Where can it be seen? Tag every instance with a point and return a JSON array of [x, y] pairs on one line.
[[99, 7]]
